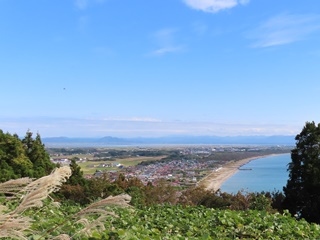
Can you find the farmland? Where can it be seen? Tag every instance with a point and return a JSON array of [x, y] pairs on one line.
[[182, 165]]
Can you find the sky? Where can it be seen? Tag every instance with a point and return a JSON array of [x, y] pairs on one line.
[[151, 68]]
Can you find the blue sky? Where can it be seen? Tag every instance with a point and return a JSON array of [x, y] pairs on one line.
[[128, 68]]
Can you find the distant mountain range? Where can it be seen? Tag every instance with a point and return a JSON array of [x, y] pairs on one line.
[[171, 140]]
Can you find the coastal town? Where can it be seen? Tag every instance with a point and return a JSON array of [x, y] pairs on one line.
[[182, 166]]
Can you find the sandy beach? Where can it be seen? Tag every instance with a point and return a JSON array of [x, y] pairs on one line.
[[216, 178]]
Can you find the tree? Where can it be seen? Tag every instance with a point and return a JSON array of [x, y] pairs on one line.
[[77, 177], [13, 161], [23, 158], [302, 192], [76, 187], [35, 151]]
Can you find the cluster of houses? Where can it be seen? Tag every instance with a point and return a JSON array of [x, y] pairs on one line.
[[106, 165], [178, 172]]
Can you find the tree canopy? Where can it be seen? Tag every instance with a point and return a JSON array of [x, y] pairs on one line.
[[25, 157], [302, 192]]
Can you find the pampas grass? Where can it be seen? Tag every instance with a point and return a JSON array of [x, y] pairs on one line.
[[15, 225], [40, 189], [94, 216], [30, 194], [12, 187], [98, 208], [61, 237]]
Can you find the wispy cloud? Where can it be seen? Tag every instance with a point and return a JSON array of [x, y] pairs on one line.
[[83, 23], [285, 29], [213, 6], [132, 119], [199, 28], [165, 50], [83, 4], [165, 40]]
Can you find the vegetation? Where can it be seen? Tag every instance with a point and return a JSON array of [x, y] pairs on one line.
[[35, 217], [303, 187], [23, 158], [19, 218], [177, 222]]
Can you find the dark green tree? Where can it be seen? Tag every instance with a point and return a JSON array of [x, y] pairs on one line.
[[302, 192], [13, 161], [77, 177], [37, 154], [23, 158]]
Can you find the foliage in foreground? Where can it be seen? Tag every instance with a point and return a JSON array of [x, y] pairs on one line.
[[31, 215], [178, 222], [159, 222], [23, 212]]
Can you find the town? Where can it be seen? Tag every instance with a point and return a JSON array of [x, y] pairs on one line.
[[182, 166]]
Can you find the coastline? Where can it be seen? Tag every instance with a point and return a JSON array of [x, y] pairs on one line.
[[214, 180]]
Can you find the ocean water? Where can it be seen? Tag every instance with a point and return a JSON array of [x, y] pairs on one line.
[[267, 174]]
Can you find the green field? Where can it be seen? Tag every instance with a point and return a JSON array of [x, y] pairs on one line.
[[132, 161]]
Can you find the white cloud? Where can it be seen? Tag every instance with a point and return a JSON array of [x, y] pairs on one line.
[[213, 6], [284, 29]]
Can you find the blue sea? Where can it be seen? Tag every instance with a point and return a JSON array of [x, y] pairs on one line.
[[266, 174]]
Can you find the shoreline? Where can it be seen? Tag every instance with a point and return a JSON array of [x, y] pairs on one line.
[[214, 180]]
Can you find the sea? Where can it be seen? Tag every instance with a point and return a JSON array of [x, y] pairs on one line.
[[263, 174]]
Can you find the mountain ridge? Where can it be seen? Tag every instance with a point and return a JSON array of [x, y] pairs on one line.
[[109, 140]]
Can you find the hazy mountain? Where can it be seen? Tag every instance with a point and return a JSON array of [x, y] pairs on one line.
[[112, 141]]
